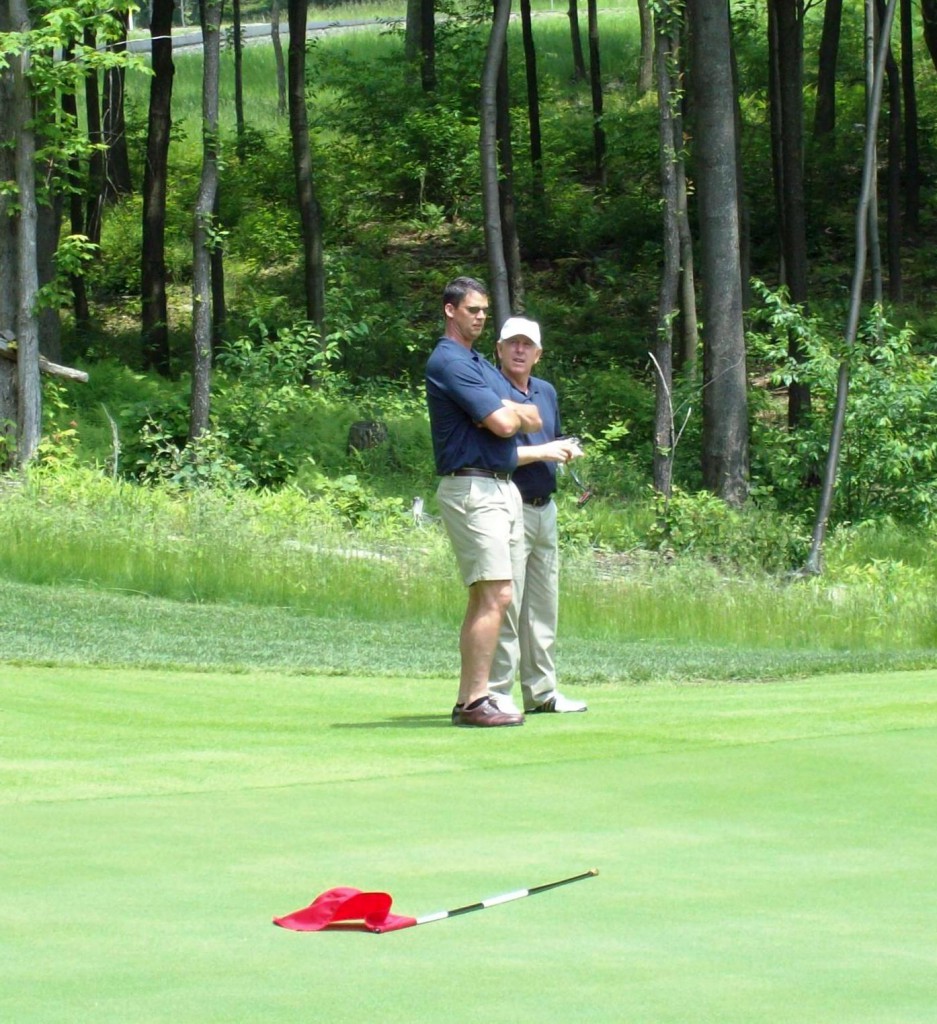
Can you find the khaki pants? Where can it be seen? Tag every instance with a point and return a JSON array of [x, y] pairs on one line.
[[528, 635]]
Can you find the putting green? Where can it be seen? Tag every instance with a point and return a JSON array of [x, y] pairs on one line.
[[766, 851]]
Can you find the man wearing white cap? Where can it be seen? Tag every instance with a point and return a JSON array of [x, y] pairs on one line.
[[528, 634]]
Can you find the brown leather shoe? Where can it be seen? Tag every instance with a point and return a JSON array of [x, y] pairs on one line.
[[484, 713]]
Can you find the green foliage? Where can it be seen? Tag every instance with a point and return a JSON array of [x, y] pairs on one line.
[[889, 450], [750, 538]]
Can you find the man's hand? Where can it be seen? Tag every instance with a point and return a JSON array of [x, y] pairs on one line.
[[562, 450], [528, 414]]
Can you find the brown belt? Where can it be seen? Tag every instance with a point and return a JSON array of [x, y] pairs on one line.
[[490, 473], [538, 502]]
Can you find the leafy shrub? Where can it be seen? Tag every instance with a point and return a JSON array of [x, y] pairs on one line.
[[889, 450]]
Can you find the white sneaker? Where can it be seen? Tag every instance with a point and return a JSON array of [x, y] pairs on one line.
[[559, 704], [506, 704]]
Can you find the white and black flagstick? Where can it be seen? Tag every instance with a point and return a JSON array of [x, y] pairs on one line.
[[493, 901]]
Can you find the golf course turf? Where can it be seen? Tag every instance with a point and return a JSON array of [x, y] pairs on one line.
[[766, 851]]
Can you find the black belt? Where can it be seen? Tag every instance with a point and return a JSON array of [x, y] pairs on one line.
[[538, 502], [490, 473]]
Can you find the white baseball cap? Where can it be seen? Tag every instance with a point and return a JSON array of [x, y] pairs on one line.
[[516, 326]]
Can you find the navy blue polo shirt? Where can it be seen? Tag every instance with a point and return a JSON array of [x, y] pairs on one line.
[[538, 479], [462, 388]]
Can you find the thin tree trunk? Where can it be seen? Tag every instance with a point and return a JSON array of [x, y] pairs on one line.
[[875, 246], [428, 45], [240, 126], [154, 312], [28, 387], [579, 60], [646, 61], [200, 404], [96, 162], [824, 117], [76, 209], [595, 79], [814, 559], [893, 225], [912, 163], [668, 308], [310, 213], [117, 178], [512, 247], [533, 101], [278, 55], [498, 282]]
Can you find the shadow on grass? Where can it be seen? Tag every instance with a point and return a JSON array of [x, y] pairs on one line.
[[400, 722]]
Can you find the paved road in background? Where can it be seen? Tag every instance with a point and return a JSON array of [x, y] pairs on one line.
[[190, 38]]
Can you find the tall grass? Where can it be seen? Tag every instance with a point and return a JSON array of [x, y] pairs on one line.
[[288, 550]]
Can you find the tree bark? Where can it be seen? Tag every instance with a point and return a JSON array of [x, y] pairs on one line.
[[428, 45], [725, 401], [200, 404], [28, 388], [893, 225], [786, 39], [117, 178], [824, 116], [912, 158], [814, 559], [579, 60], [668, 304], [96, 162], [278, 56], [240, 125], [512, 245], [498, 282], [595, 80], [533, 101], [309, 210], [646, 61], [154, 312]]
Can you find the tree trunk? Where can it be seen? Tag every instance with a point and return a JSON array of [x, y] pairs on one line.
[[154, 313], [824, 117], [725, 400], [9, 129], [893, 227], [200, 404], [929, 22], [646, 61], [428, 45], [512, 246], [411, 32], [240, 126], [786, 36], [579, 61], [96, 162], [117, 178], [498, 282], [28, 388], [912, 162], [76, 210], [533, 101], [278, 56], [814, 558], [875, 246], [668, 307], [309, 211], [595, 80]]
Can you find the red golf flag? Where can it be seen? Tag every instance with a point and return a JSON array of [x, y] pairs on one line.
[[344, 904]]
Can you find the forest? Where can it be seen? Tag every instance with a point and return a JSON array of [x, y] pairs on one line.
[[719, 212]]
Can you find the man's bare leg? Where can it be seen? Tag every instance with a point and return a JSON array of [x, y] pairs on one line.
[[487, 602]]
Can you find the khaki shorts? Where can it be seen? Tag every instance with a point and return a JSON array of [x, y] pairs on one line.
[[484, 518]]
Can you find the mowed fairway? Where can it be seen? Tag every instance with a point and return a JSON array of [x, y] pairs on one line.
[[767, 851]]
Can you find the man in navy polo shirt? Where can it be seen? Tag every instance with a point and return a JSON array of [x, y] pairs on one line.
[[528, 634], [473, 420]]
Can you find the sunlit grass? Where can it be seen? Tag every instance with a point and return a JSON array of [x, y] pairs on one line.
[[287, 550]]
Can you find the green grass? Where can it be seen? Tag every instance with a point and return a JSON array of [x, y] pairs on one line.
[[765, 851]]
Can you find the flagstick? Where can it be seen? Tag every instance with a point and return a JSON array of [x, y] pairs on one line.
[[494, 901]]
